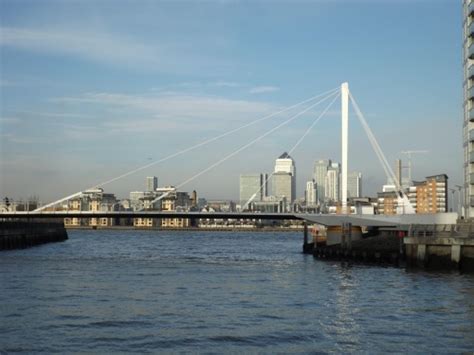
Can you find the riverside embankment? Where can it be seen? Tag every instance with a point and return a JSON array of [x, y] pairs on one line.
[[440, 247], [28, 233]]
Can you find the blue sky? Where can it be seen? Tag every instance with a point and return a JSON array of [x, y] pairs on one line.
[[91, 89]]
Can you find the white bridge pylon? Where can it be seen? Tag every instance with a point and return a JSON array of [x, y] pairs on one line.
[[344, 143]]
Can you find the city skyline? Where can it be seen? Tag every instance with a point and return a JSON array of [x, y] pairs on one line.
[[75, 115]]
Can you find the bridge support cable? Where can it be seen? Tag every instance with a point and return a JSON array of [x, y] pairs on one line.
[[402, 197], [186, 150], [375, 145], [245, 146], [308, 130]]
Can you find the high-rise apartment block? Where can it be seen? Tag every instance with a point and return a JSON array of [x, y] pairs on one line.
[[432, 195], [285, 173], [151, 183], [429, 196], [253, 187], [468, 126]]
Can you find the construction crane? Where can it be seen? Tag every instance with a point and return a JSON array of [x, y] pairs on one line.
[[409, 153]]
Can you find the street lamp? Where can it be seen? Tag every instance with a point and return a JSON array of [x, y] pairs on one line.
[[452, 200], [460, 204]]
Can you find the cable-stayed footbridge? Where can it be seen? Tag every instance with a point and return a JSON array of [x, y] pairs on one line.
[[406, 211]]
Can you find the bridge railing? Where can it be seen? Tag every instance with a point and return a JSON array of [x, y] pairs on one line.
[[440, 230]]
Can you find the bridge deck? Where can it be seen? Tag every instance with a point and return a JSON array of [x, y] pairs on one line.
[[326, 220]]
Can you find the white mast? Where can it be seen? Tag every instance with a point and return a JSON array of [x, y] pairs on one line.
[[344, 140]]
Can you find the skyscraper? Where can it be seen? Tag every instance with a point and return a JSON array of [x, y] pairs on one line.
[[282, 185], [311, 193], [286, 164], [251, 184], [333, 182], [354, 184], [151, 183], [468, 127], [320, 172]]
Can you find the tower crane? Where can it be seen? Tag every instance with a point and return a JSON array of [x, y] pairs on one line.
[[409, 153]]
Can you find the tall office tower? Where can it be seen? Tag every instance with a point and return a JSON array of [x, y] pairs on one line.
[[151, 183], [468, 126], [333, 183], [354, 184], [311, 193], [282, 185], [398, 171], [253, 184], [286, 164], [320, 172], [265, 186]]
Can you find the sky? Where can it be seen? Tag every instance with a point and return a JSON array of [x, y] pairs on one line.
[[90, 90]]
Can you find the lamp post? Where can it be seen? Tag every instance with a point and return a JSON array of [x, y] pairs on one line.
[[460, 204], [452, 201]]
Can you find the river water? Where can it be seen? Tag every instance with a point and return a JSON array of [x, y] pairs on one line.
[[150, 291]]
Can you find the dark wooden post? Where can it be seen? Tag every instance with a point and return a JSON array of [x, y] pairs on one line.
[[343, 236], [349, 236], [305, 233]]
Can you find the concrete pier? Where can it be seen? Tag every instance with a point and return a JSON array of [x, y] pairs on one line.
[[382, 249], [440, 252], [25, 234], [442, 247]]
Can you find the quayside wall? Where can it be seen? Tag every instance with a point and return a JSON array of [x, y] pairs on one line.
[[15, 234], [440, 252], [428, 247], [383, 249]]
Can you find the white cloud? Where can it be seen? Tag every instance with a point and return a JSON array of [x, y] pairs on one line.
[[198, 85], [9, 120], [263, 89], [172, 110], [89, 45], [228, 84], [142, 125], [53, 114], [82, 132], [116, 49], [19, 139]]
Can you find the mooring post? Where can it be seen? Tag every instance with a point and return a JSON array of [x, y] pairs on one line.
[[343, 236], [349, 235], [305, 233]]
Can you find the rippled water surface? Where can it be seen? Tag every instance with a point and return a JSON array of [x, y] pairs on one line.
[[149, 291]]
